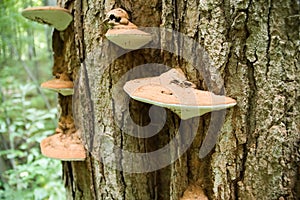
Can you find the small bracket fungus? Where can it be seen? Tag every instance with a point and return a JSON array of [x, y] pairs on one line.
[[171, 90], [118, 19], [194, 192], [62, 85], [65, 144], [57, 17], [124, 33]]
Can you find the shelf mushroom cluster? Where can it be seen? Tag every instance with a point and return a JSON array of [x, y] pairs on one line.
[[171, 90], [65, 144], [60, 19]]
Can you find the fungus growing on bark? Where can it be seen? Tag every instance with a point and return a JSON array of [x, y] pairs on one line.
[[171, 90], [57, 17], [124, 33], [61, 84], [65, 144], [194, 192]]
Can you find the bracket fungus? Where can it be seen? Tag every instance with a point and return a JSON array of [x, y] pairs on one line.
[[55, 16], [171, 90], [194, 192], [124, 33], [62, 85], [65, 144]]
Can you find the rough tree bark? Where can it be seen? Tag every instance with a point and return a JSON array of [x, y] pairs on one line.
[[254, 45]]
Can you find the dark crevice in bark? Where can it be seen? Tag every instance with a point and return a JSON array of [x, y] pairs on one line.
[[155, 186], [90, 109], [251, 117], [250, 121], [93, 177], [269, 38], [227, 65], [231, 184], [119, 158], [123, 182], [225, 7], [108, 194], [103, 179], [207, 175], [230, 37], [70, 169], [77, 189], [122, 179], [250, 128], [181, 23], [238, 171], [296, 189], [196, 35], [69, 179], [175, 16], [67, 3]]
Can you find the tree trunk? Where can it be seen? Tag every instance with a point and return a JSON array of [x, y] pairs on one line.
[[253, 48]]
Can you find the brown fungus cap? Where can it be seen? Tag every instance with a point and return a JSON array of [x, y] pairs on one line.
[[124, 33], [61, 85], [117, 12], [172, 90], [118, 18], [194, 192], [55, 16], [67, 147]]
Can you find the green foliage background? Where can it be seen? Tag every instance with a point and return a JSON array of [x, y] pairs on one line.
[[27, 113]]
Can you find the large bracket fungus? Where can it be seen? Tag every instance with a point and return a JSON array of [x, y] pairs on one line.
[[124, 33], [171, 90], [65, 144], [55, 16], [61, 84]]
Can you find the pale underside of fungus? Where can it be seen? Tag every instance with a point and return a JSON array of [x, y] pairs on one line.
[[128, 38], [171, 90], [124, 33], [55, 16]]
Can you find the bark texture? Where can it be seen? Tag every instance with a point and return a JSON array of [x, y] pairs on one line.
[[254, 46]]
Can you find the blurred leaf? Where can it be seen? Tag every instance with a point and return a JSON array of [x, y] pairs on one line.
[[39, 194]]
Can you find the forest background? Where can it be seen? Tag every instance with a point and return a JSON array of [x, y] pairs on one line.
[[27, 113]]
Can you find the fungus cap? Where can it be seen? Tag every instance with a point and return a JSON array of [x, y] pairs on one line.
[[55, 16], [194, 192], [67, 147], [172, 91], [63, 87], [117, 12], [118, 18], [128, 38]]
